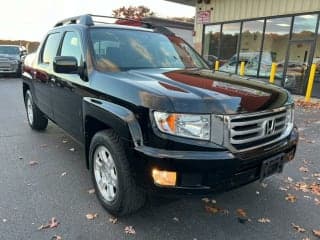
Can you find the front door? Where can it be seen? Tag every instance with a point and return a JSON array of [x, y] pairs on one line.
[[68, 88], [43, 74], [297, 66]]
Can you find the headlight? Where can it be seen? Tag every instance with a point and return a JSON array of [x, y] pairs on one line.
[[184, 125], [290, 115]]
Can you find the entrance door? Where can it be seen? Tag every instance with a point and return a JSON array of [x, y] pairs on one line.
[[297, 67]]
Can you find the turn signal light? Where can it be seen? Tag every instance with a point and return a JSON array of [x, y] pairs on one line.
[[164, 178]]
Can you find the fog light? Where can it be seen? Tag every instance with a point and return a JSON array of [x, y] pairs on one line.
[[164, 178]]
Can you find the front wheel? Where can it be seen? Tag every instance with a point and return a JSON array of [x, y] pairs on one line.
[[113, 181], [36, 119]]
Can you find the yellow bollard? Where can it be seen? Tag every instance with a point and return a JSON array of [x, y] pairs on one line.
[[273, 72], [216, 65], [242, 68], [310, 82]]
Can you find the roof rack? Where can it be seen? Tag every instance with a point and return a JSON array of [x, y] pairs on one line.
[[82, 19], [89, 21]]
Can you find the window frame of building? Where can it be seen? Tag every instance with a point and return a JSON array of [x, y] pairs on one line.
[[265, 19]]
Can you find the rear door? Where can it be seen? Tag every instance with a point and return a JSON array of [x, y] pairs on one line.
[[42, 75], [69, 88]]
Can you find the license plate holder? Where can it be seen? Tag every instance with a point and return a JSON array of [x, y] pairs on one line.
[[271, 166]]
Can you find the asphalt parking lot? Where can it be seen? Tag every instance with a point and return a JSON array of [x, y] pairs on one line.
[[43, 175]]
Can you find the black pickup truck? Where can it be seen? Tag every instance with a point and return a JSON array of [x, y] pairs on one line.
[[151, 114]]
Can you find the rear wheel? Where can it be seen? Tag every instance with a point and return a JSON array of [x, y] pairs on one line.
[[36, 119], [114, 184]]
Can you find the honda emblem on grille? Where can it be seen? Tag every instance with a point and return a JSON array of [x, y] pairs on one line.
[[269, 127]]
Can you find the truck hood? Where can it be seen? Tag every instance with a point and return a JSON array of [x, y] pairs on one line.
[[9, 56], [196, 91]]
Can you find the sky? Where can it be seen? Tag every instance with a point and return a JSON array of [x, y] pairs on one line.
[[31, 19]]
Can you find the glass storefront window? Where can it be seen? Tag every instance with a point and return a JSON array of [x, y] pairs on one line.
[[228, 51], [275, 46], [251, 38], [316, 60], [211, 43], [304, 26]]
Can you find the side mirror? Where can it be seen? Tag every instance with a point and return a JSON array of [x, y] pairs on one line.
[[65, 64]]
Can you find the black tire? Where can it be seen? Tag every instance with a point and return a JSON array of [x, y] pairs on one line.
[[18, 74], [39, 121], [129, 197]]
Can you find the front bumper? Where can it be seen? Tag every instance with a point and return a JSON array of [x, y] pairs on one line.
[[215, 171], [8, 67]]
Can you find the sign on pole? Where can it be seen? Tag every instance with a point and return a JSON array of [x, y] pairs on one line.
[[203, 17]]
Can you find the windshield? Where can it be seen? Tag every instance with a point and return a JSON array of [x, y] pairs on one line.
[[123, 49], [9, 50]]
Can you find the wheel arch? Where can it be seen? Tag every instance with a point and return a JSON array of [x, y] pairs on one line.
[[25, 88], [99, 115]]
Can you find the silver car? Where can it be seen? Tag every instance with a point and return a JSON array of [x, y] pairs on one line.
[[11, 59]]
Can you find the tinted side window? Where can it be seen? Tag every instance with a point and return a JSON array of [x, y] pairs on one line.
[[50, 48], [71, 46]]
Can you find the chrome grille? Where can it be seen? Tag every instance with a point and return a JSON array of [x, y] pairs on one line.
[[249, 130]]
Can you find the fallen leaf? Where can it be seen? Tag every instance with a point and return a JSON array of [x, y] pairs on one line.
[[56, 237], [72, 149], [175, 219], [303, 169], [298, 228], [33, 163], [302, 186], [307, 105], [283, 189], [315, 188], [224, 212], [311, 141], [264, 185], [316, 233], [291, 198], [129, 230], [305, 161], [212, 209], [206, 200], [91, 216], [91, 191], [63, 174], [241, 212], [53, 223], [307, 197], [113, 220], [289, 179], [242, 216], [264, 220], [43, 145]]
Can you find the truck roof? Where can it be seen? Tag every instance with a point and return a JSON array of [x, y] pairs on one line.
[[100, 21]]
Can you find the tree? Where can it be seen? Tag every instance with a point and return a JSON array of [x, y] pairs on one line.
[[132, 12]]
